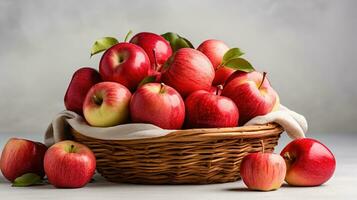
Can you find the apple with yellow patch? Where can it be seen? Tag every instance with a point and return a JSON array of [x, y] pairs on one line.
[[107, 104]]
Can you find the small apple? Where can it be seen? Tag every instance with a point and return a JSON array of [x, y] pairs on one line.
[[188, 70], [309, 162], [124, 63], [263, 171], [207, 110], [69, 164], [155, 46], [107, 104], [21, 156], [82, 80], [158, 104], [252, 94]]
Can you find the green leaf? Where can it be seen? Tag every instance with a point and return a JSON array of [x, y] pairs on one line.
[[148, 79], [176, 41], [240, 64], [231, 54], [103, 44], [27, 180]]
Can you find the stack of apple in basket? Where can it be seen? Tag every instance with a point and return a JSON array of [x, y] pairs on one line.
[[204, 96]]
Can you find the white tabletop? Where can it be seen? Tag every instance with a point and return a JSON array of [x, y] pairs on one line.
[[341, 186]]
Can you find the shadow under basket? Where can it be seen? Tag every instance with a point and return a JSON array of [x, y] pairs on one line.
[[192, 156]]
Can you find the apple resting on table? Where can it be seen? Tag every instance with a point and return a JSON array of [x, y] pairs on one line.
[[20, 157], [309, 162], [263, 171], [69, 164]]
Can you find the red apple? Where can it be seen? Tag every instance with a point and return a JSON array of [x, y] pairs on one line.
[[69, 164], [309, 162], [188, 70], [21, 156], [82, 80], [222, 74], [214, 50], [263, 171], [107, 104], [126, 64], [155, 46], [158, 104], [207, 110], [252, 94]]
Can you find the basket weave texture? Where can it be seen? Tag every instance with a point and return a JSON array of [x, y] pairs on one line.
[[192, 156]]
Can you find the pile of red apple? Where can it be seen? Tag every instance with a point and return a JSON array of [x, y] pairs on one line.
[[163, 80]]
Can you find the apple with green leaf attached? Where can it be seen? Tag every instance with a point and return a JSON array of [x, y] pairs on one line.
[[122, 62], [224, 60], [155, 46], [21, 156]]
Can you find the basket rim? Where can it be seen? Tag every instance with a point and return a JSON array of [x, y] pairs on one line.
[[200, 134]]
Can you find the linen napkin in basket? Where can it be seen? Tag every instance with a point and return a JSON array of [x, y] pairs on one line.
[[293, 123]]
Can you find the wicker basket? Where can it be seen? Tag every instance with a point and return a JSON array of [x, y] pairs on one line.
[[193, 156]]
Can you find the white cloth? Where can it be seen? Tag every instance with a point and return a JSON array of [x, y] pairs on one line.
[[293, 123]]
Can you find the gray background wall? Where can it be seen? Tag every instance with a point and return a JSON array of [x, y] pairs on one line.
[[308, 48]]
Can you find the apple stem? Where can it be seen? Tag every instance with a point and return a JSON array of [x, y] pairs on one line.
[[287, 156], [264, 75], [162, 88], [71, 150], [219, 89], [97, 100], [155, 60], [127, 35]]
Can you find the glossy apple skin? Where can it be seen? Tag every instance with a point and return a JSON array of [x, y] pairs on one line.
[[263, 171], [207, 110], [107, 104], [151, 41], [214, 50], [222, 74], [21, 156], [158, 104], [69, 169], [82, 80], [243, 89], [188, 70], [309, 162], [124, 63]]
